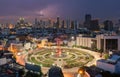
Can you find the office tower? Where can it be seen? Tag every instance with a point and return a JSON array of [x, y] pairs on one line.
[[63, 24], [117, 24], [108, 25], [54, 25], [58, 22], [40, 23], [87, 18], [49, 23], [21, 20], [72, 24], [117, 27], [76, 25], [68, 24], [87, 21], [21, 23], [36, 22], [94, 25]]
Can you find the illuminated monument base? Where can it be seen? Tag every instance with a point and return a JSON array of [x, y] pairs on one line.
[[58, 54]]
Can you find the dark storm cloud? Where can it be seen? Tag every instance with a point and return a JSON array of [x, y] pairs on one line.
[[64, 8], [98, 8], [103, 8], [22, 7]]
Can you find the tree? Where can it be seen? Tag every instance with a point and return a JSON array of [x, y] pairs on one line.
[[106, 56]]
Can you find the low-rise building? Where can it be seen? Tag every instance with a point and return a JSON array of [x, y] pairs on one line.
[[101, 42], [112, 64]]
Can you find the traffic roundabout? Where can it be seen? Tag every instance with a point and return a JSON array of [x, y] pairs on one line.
[[68, 58]]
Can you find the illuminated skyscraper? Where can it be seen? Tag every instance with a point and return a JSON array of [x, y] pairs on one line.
[[21, 23], [21, 20]]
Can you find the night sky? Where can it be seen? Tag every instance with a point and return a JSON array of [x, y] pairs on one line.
[[74, 9]]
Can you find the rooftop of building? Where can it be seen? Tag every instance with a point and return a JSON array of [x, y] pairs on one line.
[[112, 60]]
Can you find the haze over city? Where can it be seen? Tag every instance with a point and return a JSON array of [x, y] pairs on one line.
[[11, 10], [59, 38]]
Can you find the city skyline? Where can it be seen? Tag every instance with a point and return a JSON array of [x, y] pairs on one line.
[[74, 9]]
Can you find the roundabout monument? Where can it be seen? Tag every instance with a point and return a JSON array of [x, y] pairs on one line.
[[65, 57]]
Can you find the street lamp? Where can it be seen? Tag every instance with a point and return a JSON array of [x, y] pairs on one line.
[[73, 41], [72, 37], [81, 72], [91, 44]]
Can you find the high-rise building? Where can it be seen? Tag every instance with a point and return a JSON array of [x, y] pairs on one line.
[[117, 27], [91, 24], [88, 18], [72, 24], [21, 20], [63, 24], [117, 24], [76, 24], [68, 24], [108, 25], [94, 25], [21, 23], [54, 24], [36, 22], [58, 22], [87, 21], [41, 24], [49, 23]]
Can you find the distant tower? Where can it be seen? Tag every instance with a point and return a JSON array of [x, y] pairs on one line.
[[58, 22], [87, 18], [108, 25], [68, 23], [72, 24], [36, 22], [63, 24], [94, 25], [118, 24], [41, 23], [76, 24], [21, 20], [87, 21], [119, 21], [49, 23]]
